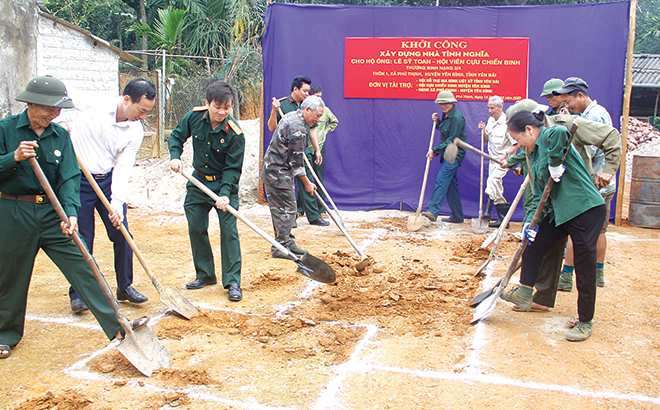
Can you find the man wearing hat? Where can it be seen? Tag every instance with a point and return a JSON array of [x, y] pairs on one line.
[[451, 126], [107, 136], [555, 102], [29, 222], [575, 96]]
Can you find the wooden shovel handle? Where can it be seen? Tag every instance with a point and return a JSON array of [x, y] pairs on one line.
[[426, 171], [123, 321], [122, 228]]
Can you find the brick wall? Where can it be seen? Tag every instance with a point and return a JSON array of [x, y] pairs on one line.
[[75, 58]]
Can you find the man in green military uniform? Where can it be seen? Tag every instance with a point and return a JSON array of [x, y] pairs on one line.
[[588, 133], [29, 222], [218, 147], [555, 102], [305, 202]]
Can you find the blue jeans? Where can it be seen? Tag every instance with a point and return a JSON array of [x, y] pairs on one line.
[[446, 184]]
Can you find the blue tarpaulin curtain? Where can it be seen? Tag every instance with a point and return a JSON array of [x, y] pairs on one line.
[[376, 156]]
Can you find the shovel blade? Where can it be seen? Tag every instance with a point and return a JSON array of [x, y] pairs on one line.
[[486, 243], [476, 301], [315, 269], [144, 351], [479, 225], [450, 153], [178, 303], [483, 310], [415, 222]]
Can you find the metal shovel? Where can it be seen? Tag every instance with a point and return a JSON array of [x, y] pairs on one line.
[[416, 220], [309, 265], [364, 259], [480, 224], [140, 347], [496, 235], [169, 297]]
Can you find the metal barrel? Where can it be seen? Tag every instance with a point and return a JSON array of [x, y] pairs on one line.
[[644, 208]]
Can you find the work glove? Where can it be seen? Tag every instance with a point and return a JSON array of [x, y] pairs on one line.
[[529, 234], [556, 172]]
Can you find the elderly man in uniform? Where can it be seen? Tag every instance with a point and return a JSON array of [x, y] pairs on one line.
[[218, 148], [29, 222], [451, 126], [577, 100], [283, 162], [556, 102], [307, 205], [107, 137], [499, 142]]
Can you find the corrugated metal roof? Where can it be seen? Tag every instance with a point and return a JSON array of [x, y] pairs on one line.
[[646, 70]]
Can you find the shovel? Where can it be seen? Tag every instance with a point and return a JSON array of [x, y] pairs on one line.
[[169, 297], [364, 260], [484, 308], [480, 225], [452, 150], [496, 235], [327, 195], [416, 220], [140, 347], [310, 266]]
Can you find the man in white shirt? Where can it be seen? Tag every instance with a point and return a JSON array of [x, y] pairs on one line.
[[499, 142], [107, 137]]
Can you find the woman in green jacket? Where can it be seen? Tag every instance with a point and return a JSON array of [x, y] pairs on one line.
[[574, 208]]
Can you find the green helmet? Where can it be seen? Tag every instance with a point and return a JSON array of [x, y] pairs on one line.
[[525, 105], [551, 85], [47, 91], [445, 96]]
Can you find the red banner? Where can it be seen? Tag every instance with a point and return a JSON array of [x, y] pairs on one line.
[[418, 68]]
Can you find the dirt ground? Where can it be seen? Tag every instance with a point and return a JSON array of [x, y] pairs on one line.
[[396, 335]]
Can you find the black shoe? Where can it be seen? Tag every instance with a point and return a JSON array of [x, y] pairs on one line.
[[200, 283], [77, 306], [502, 210], [235, 293], [430, 216], [452, 220], [320, 222], [131, 295]]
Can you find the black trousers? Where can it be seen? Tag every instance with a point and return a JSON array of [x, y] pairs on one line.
[[583, 230]]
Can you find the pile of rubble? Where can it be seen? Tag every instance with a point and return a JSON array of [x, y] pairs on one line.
[[642, 140]]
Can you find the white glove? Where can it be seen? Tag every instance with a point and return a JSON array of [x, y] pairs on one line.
[[556, 172]]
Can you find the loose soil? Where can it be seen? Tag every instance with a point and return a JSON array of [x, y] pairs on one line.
[[394, 335]]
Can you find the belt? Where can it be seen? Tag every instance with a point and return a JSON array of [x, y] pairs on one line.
[[101, 177], [35, 199], [209, 177]]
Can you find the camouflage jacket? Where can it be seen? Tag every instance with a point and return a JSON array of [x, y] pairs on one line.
[[283, 160]]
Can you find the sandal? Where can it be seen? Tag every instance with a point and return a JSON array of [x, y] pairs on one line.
[[5, 348], [137, 324], [535, 308]]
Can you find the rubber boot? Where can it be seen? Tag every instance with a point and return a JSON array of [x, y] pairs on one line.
[[502, 210], [488, 208]]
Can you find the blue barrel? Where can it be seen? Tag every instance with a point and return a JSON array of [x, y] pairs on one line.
[[644, 207]]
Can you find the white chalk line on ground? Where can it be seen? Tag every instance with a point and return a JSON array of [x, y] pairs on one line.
[[327, 398], [505, 381]]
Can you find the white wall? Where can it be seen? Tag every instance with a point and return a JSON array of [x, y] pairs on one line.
[[74, 58]]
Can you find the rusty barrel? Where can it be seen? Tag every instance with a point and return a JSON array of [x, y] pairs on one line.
[[644, 208]]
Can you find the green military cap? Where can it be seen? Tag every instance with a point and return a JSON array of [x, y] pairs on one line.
[[445, 96], [525, 105], [47, 91], [551, 85]]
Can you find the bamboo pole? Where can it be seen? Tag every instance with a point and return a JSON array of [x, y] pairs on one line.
[[626, 114]]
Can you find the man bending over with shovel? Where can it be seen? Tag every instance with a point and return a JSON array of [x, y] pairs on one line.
[[451, 126], [29, 221], [283, 162], [218, 147]]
